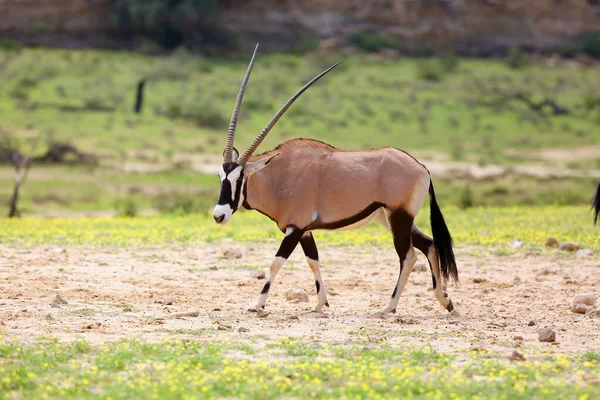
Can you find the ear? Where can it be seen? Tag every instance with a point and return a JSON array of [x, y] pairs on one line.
[[234, 154], [252, 167]]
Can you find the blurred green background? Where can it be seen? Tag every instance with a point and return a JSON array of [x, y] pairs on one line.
[[522, 127]]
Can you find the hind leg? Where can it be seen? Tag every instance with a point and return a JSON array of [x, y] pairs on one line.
[[425, 244], [312, 256], [400, 224]]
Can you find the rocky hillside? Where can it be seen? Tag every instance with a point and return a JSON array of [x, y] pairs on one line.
[[476, 25]]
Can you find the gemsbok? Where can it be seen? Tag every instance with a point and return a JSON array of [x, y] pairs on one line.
[[305, 185]]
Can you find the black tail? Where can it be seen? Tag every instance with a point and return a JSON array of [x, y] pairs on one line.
[[596, 205], [442, 239]]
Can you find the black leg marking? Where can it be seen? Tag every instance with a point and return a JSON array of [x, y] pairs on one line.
[[266, 288], [318, 285], [401, 223], [289, 243], [309, 246], [424, 243], [450, 306]]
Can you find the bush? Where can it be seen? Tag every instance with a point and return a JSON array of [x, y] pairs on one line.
[[466, 198], [449, 62], [179, 203], [430, 70], [306, 44], [372, 42], [10, 45], [590, 44], [516, 58], [126, 208], [202, 113], [166, 21]]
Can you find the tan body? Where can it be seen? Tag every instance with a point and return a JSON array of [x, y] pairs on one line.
[[311, 185]]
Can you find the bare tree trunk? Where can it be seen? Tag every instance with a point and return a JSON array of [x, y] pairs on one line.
[[19, 164]]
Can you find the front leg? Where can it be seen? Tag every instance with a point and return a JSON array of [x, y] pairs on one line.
[[289, 243], [312, 256]]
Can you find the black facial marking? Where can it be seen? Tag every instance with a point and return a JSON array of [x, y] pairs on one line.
[[266, 288], [434, 281], [450, 306], [318, 285], [225, 196], [226, 189]]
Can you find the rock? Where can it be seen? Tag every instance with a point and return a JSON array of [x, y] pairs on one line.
[[547, 335], [223, 327], [518, 338], [585, 253], [213, 268], [59, 300], [587, 299], [167, 301], [297, 295], [258, 274], [551, 242], [262, 313], [515, 244], [232, 253], [531, 323], [580, 308], [55, 305], [569, 246], [2, 323], [241, 329], [516, 356]]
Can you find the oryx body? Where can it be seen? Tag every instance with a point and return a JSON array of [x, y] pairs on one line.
[[305, 185]]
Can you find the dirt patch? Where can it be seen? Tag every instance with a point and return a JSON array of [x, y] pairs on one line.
[[115, 293]]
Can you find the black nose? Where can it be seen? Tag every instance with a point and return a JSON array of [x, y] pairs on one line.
[[219, 219]]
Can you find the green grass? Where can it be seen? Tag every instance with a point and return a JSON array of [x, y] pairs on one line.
[[58, 95], [176, 369], [364, 103], [490, 227]]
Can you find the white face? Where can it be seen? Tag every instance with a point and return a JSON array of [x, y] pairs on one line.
[[232, 197]]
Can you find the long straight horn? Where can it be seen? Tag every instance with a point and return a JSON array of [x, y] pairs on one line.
[[244, 157], [227, 156]]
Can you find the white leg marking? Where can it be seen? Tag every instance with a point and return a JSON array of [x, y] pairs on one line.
[[440, 289], [276, 265], [315, 267], [407, 266]]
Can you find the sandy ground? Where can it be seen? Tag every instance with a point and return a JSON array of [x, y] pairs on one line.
[[116, 293]]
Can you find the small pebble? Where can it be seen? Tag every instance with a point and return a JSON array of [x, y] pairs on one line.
[[569, 246], [258, 274], [243, 330], [297, 295], [547, 335]]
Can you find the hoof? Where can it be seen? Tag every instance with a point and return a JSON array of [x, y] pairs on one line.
[[327, 303], [455, 314], [251, 310]]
